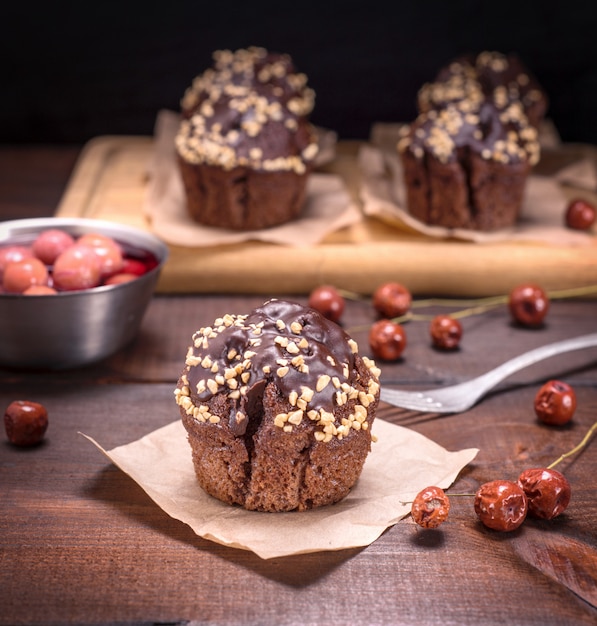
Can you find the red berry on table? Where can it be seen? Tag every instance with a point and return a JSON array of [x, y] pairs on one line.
[[392, 300], [20, 275], [555, 403], [446, 332], [387, 340], [327, 300], [580, 215], [430, 507], [25, 422], [528, 305], [501, 505], [547, 491]]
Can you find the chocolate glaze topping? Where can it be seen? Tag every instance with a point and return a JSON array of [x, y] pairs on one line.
[[488, 105], [491, 76], [249, 110], [310, 359], [496, 134]]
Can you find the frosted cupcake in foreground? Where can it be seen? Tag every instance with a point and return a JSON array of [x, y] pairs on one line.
[[245, 145], [278, 405]]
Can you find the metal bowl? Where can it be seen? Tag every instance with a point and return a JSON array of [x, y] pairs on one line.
[[74, 328]]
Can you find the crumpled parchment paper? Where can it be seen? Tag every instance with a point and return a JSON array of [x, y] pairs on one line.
[[328, 205], [384, 196], [401, 463]]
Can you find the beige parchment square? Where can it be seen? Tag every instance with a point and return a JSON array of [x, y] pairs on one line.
[[328, 205], [383, 193], [401, 463]]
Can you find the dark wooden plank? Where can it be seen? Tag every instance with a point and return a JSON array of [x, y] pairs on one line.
[[81, 543]]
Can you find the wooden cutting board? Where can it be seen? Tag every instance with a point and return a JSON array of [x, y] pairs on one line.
[[111, 179]]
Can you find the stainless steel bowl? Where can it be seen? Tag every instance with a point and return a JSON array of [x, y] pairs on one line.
[[72, 329]]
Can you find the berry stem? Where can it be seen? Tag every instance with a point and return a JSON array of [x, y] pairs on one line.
[[577, 448], [350, 295], [452, 495], [472, 306]]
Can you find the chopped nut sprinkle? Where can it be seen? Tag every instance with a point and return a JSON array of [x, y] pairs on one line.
[[261, 95], [309, 396], [322, 382]]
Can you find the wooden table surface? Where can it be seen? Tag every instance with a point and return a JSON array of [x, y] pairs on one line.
[[81, 542]]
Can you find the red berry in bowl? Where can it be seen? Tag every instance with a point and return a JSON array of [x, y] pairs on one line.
[[430, 507], [501, 505], [49, 244], [528, 305], [40, 290], [547, 490], [580, 215], [118, 279], [78, 267], [133, 266], [25, 422], [10, 254], [20, 275], [108, 251], [446, 332], [327, 300], [387, 340], [392, 300], [555, 403]]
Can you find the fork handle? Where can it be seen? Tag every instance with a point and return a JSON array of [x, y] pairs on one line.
[[538, 354]]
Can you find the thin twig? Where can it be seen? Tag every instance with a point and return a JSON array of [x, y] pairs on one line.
[[574, 450]]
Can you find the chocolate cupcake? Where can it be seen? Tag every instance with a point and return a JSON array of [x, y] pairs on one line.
[[278, 405], [245, 145], [468, 154]]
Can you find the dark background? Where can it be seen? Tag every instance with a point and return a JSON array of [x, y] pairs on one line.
[[75, 70]]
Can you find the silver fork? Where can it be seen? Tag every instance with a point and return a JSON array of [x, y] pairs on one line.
[[463, 396]]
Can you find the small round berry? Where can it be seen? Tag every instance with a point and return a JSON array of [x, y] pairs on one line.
[[446, 332], [547, 490], [327, 300], [10, 254], [78, 267], [555, 403], [580, 215], [387, 340], [20, 275], [501, 505], [25, 422], [430, 507], [50, 243], [108, 251], [133, 266], [39, 290], [528, 305], [392, 300], [118, 279]]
